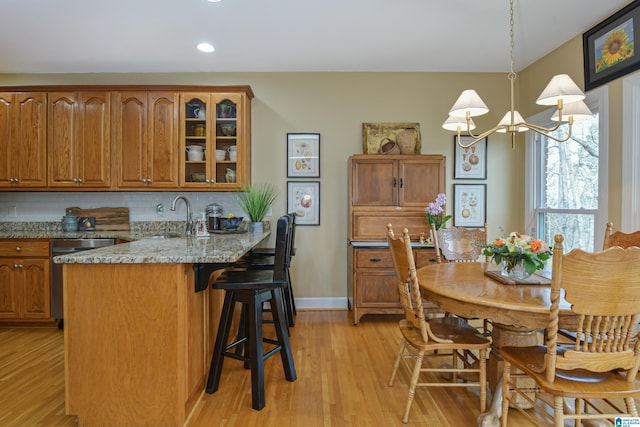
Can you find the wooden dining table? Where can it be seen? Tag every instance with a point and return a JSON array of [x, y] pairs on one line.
[[519, 312]]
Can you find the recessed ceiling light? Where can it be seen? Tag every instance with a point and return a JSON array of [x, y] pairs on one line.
[[215, 1], [205, 47]]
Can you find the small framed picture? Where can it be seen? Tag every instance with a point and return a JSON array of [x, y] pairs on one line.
[[469, 205], [469, 162], [303, 198], [609, 47], [303, 155]]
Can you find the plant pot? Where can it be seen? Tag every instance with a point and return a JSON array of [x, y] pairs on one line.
[[256, 227]]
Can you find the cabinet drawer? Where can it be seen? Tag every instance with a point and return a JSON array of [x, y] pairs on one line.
[[24, 248], [374, 258], [372, 226]]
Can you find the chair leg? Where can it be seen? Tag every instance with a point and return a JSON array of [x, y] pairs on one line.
[[483, 380], [282, 333], [558, 411], [412, 387], [215, 369], [506, 377], [254, 314], [631, 406], [403, 343]]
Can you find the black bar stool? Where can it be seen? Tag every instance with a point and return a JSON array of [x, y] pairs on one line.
[[253, 287], [263, 258]]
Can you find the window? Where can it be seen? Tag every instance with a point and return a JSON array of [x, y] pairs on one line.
[[567, 181]]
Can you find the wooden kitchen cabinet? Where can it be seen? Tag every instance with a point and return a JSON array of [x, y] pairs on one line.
[[373, 284], [163, 355], [219, 123], [403, 180], [23, 149], [25, 289], [387, 189], [78, 140], [146, 139]]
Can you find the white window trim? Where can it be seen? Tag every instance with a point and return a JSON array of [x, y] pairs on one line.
[[630, 190], [596, 98]]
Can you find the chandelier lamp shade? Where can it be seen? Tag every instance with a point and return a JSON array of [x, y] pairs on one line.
[[561, 91]]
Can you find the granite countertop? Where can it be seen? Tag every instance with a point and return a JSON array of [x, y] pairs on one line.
[[141, 247], [217, 248]]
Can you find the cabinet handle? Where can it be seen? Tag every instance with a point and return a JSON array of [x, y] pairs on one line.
[[375, 260], [18, 248], [80, 180], [17, 266], [148, 180], [401, 182], [395, 182]]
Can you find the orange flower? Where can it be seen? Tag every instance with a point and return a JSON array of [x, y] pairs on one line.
[[498, 242], [535, 245]]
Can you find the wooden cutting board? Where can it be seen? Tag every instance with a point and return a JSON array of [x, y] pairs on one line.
[[106, 218]]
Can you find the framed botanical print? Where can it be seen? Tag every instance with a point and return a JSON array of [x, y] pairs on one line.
[[303, 198], [469, 205], [303, 155], [469, 162]]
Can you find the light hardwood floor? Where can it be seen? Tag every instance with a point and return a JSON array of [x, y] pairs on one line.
[[342, 381]]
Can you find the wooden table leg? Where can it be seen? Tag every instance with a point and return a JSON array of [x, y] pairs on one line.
[[504, 336]]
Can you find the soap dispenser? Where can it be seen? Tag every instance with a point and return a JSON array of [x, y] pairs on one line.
[[201, 226]]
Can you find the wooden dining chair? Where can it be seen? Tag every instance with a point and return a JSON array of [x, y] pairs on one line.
[[603, 289], [434, 338], [624, 240], [458, 244]]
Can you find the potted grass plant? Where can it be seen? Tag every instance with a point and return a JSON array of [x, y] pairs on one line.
[[255, 200]]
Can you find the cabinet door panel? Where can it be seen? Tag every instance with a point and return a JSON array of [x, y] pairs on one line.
[[131, 137], [9, 302], [374, 183], [163, 139], [420, 181], [6, 139], [94, 144], [36, 294], [61, 133], [377, 289], [30, 139]]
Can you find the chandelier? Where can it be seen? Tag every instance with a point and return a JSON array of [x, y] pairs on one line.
[[561, 91]]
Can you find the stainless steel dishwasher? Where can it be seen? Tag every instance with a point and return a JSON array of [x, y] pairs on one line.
[[62, 247]]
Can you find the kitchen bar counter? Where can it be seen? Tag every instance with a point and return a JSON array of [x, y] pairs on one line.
[[139, 330]]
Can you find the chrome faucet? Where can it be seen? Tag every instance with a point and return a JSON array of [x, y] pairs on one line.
[[189, 216]]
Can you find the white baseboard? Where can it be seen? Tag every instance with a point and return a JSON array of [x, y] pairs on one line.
[[321, 303]]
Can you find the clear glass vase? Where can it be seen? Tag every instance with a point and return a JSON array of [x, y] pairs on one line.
[[513, 267]]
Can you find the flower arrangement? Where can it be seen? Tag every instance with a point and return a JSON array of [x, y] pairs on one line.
[[434, 212], [518, 249]]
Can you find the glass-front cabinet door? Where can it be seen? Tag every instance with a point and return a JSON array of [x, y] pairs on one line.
[[215, 141]]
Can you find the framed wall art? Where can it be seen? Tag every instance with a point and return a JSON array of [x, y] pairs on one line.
[[609, 47], [470, 162], [303, 198], [303, 155], [469, 205], [397, 138]]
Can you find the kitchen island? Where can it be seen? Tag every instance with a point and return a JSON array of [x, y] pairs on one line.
[[140, 329]]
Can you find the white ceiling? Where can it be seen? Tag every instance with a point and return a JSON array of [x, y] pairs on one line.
[[83, 36]]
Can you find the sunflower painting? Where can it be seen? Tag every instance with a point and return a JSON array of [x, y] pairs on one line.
[[614, 47]]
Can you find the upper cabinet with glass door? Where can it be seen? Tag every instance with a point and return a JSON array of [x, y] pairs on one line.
[[216, 140]]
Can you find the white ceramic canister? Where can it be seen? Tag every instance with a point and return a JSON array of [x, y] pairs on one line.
[[220, 155], [233, 153], [195, 153]]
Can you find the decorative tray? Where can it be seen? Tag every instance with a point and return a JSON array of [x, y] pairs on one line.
[[534, 279], [237, 231]]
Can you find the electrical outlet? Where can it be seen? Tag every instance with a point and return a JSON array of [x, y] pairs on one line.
[[13, 213]]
